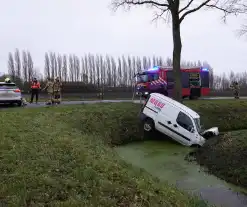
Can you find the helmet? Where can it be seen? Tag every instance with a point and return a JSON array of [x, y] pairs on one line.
[[7, 80]]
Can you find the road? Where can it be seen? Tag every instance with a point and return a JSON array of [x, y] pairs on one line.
[[42, 104]]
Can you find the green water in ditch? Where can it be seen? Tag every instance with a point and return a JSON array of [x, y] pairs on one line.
[[165, 160]]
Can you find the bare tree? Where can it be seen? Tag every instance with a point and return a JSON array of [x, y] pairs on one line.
[[24, 66], [47, 66], [97, 75], [59, 65], [114, 72], [77, 68], [108, 70], [86, 76], [243, 30], [17, 64], [65, 69], [102, 72], [11, 67], [124, 70], [52, 64], [29, 66], [55, 65], [178, 10], [71, 68]]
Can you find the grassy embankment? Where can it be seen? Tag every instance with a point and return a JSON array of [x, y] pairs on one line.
[[225, 156], [62, 156]]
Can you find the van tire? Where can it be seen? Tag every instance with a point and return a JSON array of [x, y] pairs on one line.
[[148, 128]]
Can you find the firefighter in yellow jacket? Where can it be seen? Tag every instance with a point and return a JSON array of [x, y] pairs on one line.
[[49, 88], [57, 86], [235, 87]]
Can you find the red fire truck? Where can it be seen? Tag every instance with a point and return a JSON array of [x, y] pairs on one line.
[[195, 81]]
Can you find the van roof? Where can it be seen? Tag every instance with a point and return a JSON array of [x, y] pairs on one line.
[[177, 104]]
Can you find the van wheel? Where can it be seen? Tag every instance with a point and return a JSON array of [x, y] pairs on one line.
[[148, 126]]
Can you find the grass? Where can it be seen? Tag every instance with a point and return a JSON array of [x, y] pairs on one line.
[[228, 115], [63, 156], [226, 157]]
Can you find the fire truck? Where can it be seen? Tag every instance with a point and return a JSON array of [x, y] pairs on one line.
[[195, 82]]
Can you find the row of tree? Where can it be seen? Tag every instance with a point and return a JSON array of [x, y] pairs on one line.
[[102, 70]]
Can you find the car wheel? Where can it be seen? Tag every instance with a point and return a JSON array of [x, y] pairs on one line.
[[19, 103]]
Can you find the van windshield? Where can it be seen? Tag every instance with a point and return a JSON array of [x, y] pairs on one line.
[[198, 124]]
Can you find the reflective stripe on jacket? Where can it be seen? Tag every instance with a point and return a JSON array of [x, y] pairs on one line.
[[35, 85]]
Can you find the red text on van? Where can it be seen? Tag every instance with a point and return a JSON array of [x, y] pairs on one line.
[[157, 103]]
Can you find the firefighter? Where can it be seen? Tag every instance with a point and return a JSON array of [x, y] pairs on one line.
[[57, 85], [7, 80], [49, 89], [35, 87], [235, 87], [100, 93]]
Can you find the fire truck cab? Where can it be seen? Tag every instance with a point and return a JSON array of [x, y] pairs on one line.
[[195, 82]]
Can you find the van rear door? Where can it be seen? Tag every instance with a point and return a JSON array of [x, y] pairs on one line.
[[152, 107]]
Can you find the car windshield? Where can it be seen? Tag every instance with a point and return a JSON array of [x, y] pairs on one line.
[[7, 85], [198, 124]]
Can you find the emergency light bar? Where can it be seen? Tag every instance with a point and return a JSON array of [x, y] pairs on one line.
[[153, 68]]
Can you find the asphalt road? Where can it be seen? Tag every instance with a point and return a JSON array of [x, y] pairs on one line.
[[42, 104]]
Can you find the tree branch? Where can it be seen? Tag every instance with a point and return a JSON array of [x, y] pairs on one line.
[[186, 7], [242, 31], [160, 14], [119, 3], [192, 10]]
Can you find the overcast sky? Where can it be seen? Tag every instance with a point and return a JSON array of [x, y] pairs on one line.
[[83, 26]]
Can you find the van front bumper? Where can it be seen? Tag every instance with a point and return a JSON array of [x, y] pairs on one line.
[[201, 141]]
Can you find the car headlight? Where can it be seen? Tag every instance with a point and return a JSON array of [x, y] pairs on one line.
[[146, 93]]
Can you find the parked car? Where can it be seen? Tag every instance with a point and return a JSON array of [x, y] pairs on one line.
[[175, 120], [10, 94]]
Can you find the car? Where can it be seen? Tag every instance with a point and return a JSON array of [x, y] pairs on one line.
[[175, 120], [10, 94]]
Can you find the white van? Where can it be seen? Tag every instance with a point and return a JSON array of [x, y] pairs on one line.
[[174, 120]]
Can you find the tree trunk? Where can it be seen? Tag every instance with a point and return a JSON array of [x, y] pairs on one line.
[[177, 47]]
